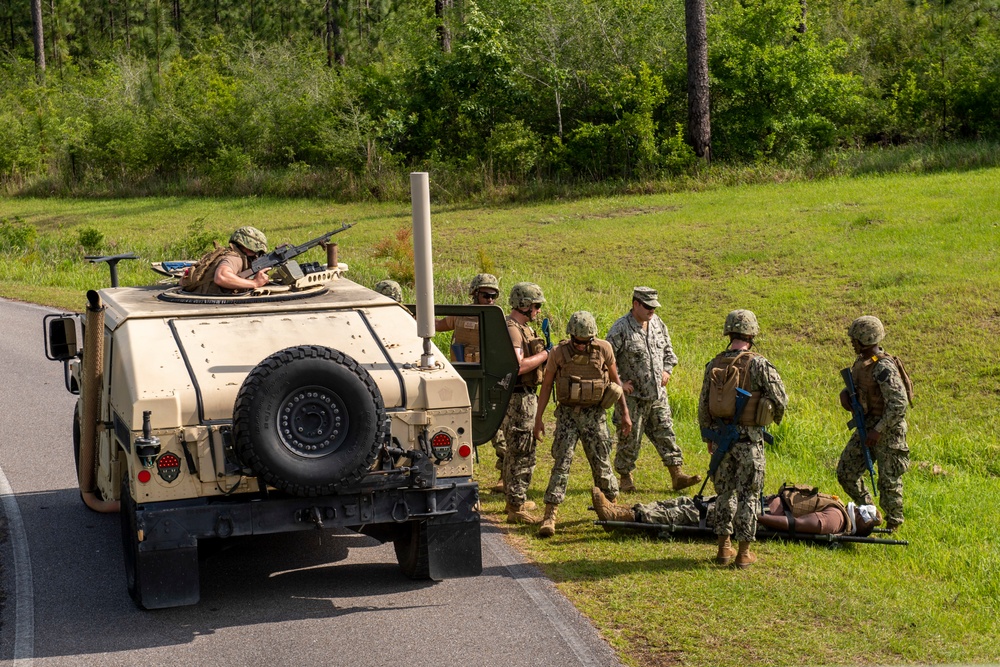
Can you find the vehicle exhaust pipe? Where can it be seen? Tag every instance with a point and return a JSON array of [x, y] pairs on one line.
[[93, 377], [420, 195]]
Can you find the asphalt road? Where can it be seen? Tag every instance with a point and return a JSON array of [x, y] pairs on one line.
[[297, 599]]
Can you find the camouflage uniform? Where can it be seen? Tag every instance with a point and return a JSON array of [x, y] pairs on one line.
[[740, 476], [680, 511], [519, 460], [890, 453], [642, 355]]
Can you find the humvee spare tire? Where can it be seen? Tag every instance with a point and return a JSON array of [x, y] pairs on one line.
[[309, 420]]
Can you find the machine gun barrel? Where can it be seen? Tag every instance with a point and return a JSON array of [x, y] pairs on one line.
[[858, 422]]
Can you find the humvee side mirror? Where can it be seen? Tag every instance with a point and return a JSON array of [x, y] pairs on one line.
[[60, 337]]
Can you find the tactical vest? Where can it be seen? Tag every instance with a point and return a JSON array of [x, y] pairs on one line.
[[869, 391], [201, 278], [725, 375], [531, 345], [467, 335], [801, 500], [581, 378]]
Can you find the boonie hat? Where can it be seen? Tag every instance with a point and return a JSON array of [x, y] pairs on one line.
[[646, 295]]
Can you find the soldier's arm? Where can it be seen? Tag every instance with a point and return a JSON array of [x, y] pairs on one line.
[[543, 400], [669, 358], [226, 278], [626, 422], [704, 418], [894, 393], [771, 386], [445, 323]]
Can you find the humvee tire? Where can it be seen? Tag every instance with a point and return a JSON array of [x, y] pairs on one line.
[[309, 420], [411, 550]]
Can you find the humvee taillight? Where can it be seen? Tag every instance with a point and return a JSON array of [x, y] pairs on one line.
[[168, 467], [441, 446], [464, 451]]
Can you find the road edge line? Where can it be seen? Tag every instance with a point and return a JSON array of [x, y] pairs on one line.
[[24, 606]]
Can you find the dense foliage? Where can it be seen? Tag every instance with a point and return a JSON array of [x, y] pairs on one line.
[[140, 90]]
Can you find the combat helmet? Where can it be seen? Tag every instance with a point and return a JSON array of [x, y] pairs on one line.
[[741, 322], [389, 288], [250, 238], [867, 330], [522, 295], [483, 280], [581, 325]]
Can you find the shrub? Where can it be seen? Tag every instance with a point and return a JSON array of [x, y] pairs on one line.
[[17, 235], [91, 239]]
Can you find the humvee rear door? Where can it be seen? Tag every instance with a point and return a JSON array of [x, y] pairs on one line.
[[491, 380]]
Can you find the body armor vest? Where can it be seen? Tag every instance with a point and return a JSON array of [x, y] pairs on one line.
[[802, 500], [869, 393], [200, 280], [726, 374], [531, 344], [581, 378]]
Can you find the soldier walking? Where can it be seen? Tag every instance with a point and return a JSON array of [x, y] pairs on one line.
[[646, 359], [883, 391], [740, 476], [526, 300], [484, 290], [585, 376]]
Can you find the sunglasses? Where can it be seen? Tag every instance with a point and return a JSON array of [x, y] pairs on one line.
[[536, 306], [579, 342], [645, 306], [492, 296]]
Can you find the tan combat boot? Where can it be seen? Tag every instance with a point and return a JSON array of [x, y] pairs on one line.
[[519, 514], [680, 480], [726, 551], [628, 484], [745, 558], [548, 527], [607, 510]]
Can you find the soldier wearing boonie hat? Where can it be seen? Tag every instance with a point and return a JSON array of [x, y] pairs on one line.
[[645, 361], [217, 272]]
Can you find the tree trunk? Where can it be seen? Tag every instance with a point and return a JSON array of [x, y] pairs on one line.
[[441, 11], [38, 35], [334, 51], [699, 122], [802, 23]]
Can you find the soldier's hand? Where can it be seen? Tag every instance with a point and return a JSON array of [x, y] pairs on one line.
[[261, 279], [845, 400], [539, 428], [873, 438], [665, 378], [628, 387], [626, 426], [710, 446]]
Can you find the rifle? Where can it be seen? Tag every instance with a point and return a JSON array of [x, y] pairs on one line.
[[285, 252], [858, 422], [547, 332], [724, 435]]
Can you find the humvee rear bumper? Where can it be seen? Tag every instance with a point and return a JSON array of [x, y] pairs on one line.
[[169, 531]]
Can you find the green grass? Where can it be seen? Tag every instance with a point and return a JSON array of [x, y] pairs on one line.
[[919, 251]]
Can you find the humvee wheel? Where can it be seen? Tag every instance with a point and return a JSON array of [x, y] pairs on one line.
[[130, 542], [309, 420], [412, 552]]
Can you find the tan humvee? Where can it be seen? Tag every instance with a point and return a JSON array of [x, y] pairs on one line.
[[301, 406]]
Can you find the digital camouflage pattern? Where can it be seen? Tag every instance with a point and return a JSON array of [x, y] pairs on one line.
[[643, 355], [891, 454], [522, 295], [483, 280], [654, 420], [589, 426], [679, 511], [646, 295], [738, 483], [582, 325], [763, 378], [500, 447], [519, 460], [389, 288], [867, 330]]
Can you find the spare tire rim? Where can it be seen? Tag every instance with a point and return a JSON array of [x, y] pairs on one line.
[[312, 422]]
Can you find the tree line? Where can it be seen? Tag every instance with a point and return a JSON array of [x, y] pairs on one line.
[[506, 90]]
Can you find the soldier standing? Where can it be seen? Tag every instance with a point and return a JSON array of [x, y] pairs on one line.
[[484, 290], [645, 359], [883, 394], [740, 477], [585, 376], [526, 300]]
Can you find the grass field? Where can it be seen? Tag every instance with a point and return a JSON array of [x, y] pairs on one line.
[[920, 252]]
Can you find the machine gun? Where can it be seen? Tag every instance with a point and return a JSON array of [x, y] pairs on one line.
[[858, 422], [283, 253], [724, 435]]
